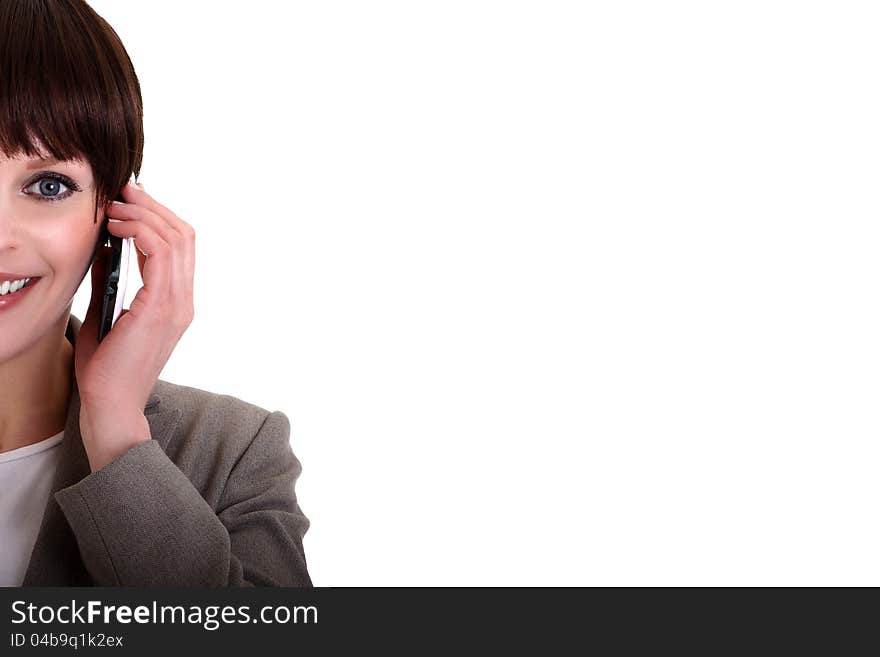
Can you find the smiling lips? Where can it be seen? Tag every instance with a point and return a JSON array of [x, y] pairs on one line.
[[12, 277], [11, 299]]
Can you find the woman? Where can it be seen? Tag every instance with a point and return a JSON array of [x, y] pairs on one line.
[[109, 475]]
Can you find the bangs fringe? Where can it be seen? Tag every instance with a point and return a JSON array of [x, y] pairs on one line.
[[68, 90]]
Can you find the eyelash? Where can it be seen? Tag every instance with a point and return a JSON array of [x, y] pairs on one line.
[[64, 180]]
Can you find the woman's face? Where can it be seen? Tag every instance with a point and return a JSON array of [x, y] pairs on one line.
[[47, 231]]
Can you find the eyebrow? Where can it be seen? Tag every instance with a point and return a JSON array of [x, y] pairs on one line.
[[38, 164]]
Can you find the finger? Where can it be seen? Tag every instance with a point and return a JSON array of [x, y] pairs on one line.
[[139, 196], [142, 259], [91, 320], [98, 270], [163, 221], [131, 212], [157, 264], [184, 265], [135, 213], [99, 276]]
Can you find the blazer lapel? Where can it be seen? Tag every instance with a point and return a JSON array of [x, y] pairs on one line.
[[55, 558]]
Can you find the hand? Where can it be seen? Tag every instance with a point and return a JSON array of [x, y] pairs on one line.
[[116, 377]]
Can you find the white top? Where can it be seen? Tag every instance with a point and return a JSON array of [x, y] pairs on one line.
[[26, 476]]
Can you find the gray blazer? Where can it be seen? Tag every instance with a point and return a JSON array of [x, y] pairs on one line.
[[209, 501]]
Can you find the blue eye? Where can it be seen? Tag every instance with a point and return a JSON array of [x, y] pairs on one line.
[[50, 187]]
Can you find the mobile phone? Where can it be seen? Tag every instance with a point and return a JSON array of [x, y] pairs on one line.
[[118, 259]]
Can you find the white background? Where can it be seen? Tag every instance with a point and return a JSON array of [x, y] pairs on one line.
[[553, 293]]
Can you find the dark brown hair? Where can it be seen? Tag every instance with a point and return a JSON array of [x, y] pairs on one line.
[[68, 89]]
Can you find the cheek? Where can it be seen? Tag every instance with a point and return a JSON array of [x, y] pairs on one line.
[[67, 245]]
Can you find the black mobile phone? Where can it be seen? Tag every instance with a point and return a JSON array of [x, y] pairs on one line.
[[116, 267]]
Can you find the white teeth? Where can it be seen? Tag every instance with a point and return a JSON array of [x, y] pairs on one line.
[[8, 287]]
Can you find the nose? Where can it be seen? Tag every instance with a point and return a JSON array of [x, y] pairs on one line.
[[10, 235]]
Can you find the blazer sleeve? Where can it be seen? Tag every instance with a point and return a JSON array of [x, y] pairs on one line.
[[139, 521]]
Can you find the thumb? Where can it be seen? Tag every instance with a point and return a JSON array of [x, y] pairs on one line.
[[99, 269]]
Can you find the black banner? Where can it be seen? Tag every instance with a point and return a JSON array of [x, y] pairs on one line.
[[461, 619]]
